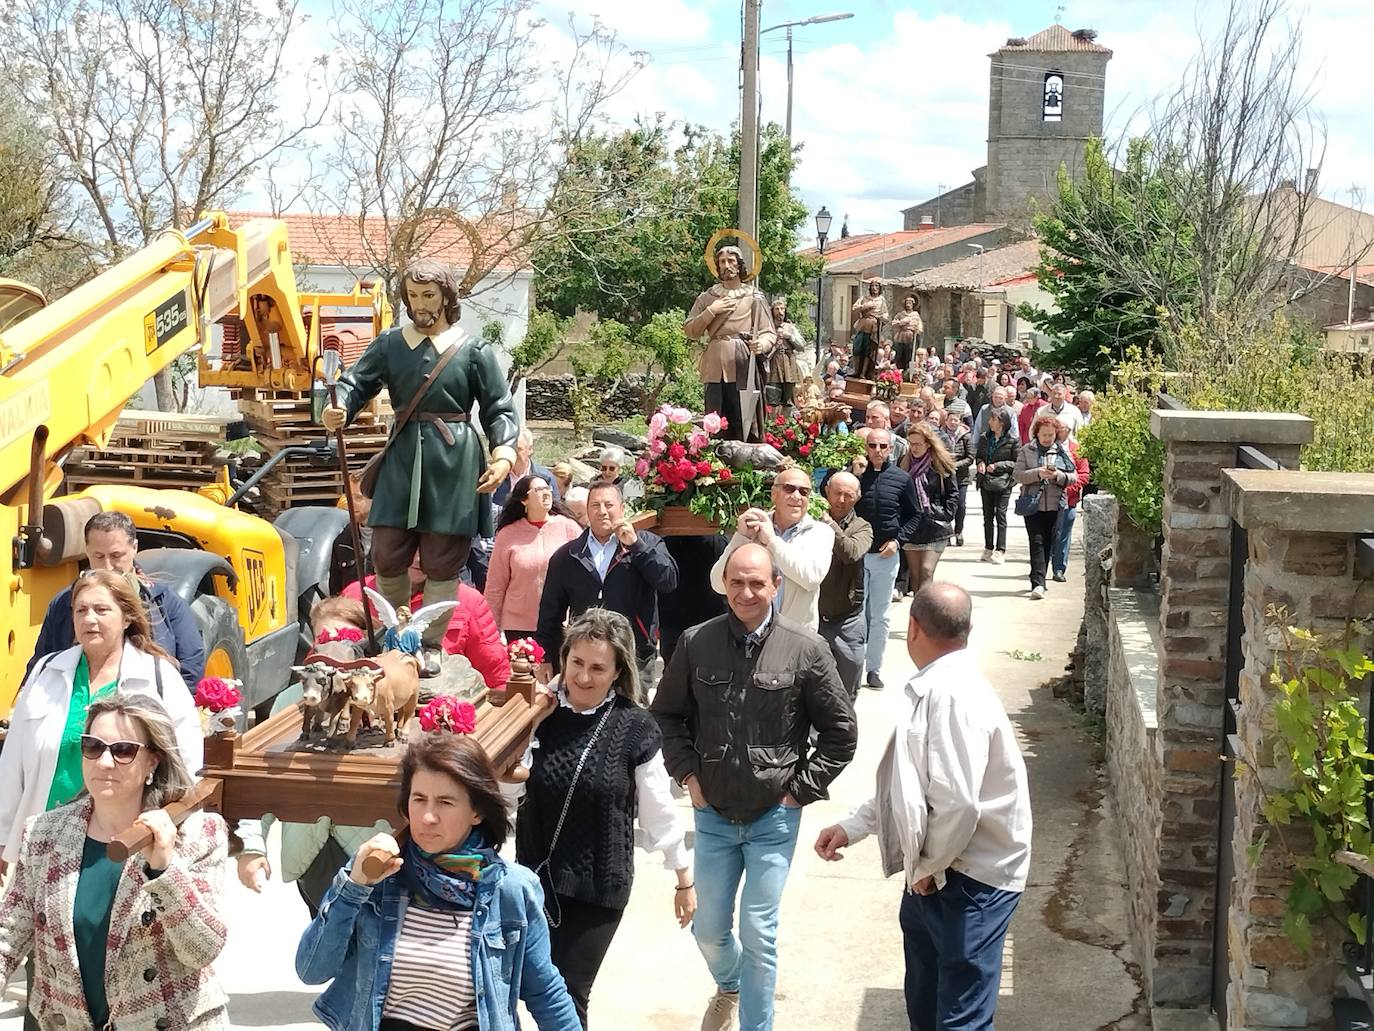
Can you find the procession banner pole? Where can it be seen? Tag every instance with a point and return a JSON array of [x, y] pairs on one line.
[[332, 364]]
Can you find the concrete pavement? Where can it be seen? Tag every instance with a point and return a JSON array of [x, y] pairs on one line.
[[840, 950]]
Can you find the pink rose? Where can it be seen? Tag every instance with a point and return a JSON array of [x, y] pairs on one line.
[[658, 423], [713, 422], [698, 440], [679, 416], [657, 447], [642, 467]]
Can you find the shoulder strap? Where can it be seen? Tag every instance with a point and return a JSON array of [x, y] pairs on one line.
[[157, 676], [417, 397]]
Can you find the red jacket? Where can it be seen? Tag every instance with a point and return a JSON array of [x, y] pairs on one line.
[[1074, 491], [471, 632], [1027, 416]]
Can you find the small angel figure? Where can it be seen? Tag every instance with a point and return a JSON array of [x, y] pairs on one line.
[[405, 629]]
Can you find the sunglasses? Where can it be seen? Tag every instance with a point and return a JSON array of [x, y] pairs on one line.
[[879, 447], [123, 752], [795, 488]]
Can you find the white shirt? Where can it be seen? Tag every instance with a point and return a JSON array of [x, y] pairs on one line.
[[602, 554], [958, 785], [803, 558], [1069, 415]]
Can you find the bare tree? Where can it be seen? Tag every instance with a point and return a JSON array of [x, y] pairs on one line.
[[159, 109], [452, 114]]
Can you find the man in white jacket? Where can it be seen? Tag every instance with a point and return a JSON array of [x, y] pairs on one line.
[[801, 548], [952, 811]]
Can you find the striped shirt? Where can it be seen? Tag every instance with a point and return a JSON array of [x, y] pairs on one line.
[[431, 973]]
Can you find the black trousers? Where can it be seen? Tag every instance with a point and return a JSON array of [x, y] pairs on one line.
[[579, 943], [995, 518], [962, 510], [1040, 530]]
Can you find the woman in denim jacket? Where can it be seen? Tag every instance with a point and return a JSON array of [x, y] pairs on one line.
[[442, 933]]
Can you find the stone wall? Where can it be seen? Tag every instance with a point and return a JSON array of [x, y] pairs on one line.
[[1300, 560], [1133, 765], [1098, 514], [547, 398]]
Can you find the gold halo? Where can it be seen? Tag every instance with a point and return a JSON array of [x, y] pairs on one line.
[[738, 234]]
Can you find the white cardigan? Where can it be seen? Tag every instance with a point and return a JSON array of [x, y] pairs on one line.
[[803, 562], [29, 758]]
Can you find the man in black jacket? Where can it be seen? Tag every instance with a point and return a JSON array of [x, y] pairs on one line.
[[737, 706], [611, 566], [887, 502]]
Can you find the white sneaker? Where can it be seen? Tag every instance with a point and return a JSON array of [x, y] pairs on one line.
[[987, 555], [721, 1011], [998, 557], [1037, 593]]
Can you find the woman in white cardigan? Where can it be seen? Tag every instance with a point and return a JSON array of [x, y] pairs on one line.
[[40, 766]]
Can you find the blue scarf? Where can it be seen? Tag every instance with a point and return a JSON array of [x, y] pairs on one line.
[[447, 880]]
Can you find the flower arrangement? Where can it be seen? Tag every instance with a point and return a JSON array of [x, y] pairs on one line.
[[447, 713], [219, 702], [681, 455], [792, 434], [525, 648], [887, 384]]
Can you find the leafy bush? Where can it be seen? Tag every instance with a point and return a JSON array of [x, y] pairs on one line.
[[1125, 457]]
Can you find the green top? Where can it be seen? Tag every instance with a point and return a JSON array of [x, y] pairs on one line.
[[67, 781], [95, 894]]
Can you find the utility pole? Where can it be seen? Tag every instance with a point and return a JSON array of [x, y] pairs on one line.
[[789, 85], [749, 125]]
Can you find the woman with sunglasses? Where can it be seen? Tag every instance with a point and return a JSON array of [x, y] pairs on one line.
[[40, 765], [932, 471], [531, 527], [436, 930], [158, 911]]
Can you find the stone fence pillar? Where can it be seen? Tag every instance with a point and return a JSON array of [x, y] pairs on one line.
[[1194, 584], [1302, 529]]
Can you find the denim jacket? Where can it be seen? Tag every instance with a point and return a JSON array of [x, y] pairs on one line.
[[353, 940]]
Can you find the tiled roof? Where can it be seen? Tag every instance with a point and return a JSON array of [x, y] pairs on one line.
[[349, 241], [998, 267], [1364, 274], [1055, 40], [886, 247]]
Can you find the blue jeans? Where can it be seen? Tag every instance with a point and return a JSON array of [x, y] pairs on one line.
[[760, 853], [880, 574], [953, 944], [1063, 537]]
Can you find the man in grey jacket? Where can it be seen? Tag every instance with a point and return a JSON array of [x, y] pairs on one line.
[[841, 602], [737, 706]]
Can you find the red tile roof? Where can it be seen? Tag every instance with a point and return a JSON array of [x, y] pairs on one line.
[[998, 267], [873, 251], [1056, 40], [358, 243]]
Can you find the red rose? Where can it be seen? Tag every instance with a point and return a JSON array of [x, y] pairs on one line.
[[677, 452], [814, 428], [805, 449], [726, 476], [686, 470], [664, 468], [703, 468], [790, 434], [779, 421]]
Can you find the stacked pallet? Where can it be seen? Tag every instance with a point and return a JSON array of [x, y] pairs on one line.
[[280, 419], [153, 449]]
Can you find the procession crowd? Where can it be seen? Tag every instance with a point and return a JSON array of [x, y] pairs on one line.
[[722, 667]]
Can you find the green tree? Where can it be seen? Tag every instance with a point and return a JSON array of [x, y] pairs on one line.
[[638, 251], [1093, 229]]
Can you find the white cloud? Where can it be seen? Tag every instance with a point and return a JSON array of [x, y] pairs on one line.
[[645, 21]]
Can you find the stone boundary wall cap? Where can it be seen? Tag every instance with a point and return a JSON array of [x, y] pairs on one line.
[[1231, 427], [1301, 502]]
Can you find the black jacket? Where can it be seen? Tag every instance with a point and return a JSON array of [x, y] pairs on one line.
[[633, 580], [935, 523], [887, 503], [961, 450], [999, 455], [739, 717]]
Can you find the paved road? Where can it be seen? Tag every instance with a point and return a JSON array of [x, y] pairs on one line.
[[840, 962]]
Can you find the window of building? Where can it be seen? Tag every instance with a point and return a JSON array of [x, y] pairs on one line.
[[1053, 109]]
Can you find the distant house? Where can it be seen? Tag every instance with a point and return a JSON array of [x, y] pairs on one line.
[[1351, 337], [975, 296], [854, 260], [334, 252]]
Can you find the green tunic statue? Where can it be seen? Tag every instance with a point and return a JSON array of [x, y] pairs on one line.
[[427, 499]]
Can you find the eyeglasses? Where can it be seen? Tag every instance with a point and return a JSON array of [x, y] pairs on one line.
[[541, 490], [795, 488], [123, 752]]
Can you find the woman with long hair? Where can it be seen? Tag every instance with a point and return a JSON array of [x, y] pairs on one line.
[[40, 765], [1044, 469], [531, 527], [434, 929], [598, 766], [931, 468], [68, 900]]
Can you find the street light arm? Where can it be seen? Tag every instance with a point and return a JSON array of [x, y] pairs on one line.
[[818, 19]]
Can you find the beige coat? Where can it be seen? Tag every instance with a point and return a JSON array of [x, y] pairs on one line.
[[906, 325], [750, 315], [165, 932]]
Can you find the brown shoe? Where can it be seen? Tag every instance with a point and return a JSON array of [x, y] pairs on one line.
[[721, 1012]]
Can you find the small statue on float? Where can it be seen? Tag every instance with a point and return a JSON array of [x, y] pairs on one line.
[[870, 312]]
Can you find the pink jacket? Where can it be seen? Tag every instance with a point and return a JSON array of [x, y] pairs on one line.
[[471, 632], [519, 563]]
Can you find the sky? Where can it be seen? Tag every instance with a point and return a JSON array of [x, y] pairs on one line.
[[892, 104]]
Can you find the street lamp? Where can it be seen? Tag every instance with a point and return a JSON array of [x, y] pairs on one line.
[[823, 220], [789, 26]]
